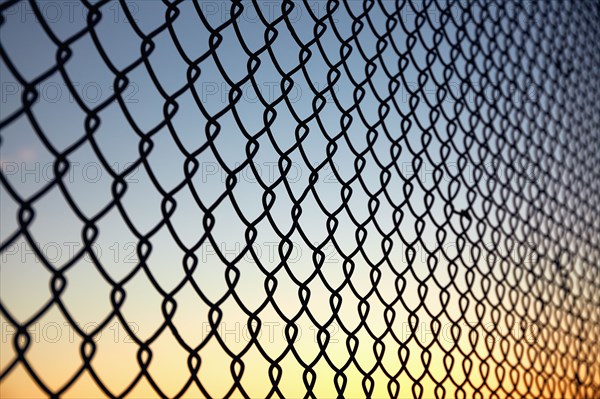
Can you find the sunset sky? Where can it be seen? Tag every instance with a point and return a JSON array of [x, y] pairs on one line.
[[486, 241]]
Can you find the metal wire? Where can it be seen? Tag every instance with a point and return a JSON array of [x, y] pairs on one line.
[[501, 86]]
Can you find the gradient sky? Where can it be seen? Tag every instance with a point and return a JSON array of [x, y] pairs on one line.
[[27, 166]]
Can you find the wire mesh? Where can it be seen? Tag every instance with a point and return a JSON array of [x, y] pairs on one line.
[[411, 190]]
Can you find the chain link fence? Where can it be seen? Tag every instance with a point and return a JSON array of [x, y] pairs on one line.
[[300, 199]]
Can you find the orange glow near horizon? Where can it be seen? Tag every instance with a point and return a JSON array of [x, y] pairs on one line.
[[115, 362]]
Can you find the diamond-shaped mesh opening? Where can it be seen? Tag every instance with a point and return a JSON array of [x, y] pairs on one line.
[[300, 199]]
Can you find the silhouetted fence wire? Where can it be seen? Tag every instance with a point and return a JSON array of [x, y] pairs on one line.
[[469, 124]]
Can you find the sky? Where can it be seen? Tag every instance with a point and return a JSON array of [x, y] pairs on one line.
[[402, 143]]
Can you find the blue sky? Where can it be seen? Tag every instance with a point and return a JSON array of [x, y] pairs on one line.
[[438, 135]]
